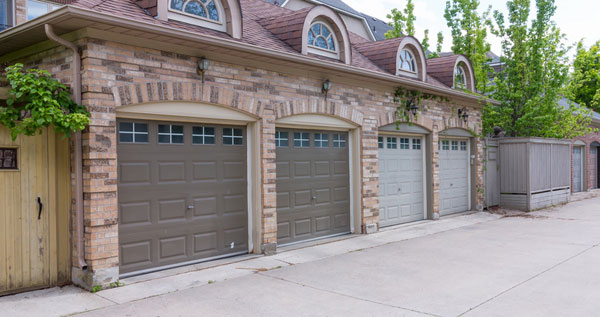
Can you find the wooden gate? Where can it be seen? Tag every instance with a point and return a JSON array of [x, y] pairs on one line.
[[492, 173], [34, 218]]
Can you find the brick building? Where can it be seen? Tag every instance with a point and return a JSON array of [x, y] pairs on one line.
[[224, 127], [585, 162]]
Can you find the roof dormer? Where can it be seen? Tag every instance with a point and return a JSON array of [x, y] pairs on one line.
[[400, 56], [316, 31], [454, 71]]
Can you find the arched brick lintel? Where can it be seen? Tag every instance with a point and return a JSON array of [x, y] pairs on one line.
[[318, 106], [156, 91]]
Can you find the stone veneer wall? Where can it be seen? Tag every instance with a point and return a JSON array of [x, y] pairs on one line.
[[117, 74]]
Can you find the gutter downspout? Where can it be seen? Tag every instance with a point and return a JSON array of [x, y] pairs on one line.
[[76, 85]]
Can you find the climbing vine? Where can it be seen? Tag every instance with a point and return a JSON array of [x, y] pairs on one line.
[[406, 99], [36, 100]]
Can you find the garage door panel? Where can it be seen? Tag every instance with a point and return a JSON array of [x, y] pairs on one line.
[[283, 230], [204, 171], [172, 248], [169, 210], [171, 172], [318, 184], [157, 227], [234, 170], [322, 223], [205, 242], [302, 227], [134, 173], [135, 213], [302, 169], [322, 168], [205, 206], [136, 253]]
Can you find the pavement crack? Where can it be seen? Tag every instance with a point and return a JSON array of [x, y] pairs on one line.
[[529, 279], [349, 296]]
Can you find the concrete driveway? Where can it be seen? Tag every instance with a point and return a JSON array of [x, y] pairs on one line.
[[545, 263]]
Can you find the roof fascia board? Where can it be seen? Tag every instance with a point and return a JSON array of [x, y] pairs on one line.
[[100, 17]]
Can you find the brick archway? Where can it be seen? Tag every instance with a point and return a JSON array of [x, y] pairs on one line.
[[154, 91], [318, 106]]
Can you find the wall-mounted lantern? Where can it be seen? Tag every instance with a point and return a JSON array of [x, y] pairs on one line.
[[326, 87], [462, 113], [412, 106], [203, 65]]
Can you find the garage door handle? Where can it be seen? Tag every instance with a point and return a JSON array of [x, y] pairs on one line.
[[41, 206]]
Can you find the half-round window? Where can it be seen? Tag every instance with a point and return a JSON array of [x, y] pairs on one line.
[[321, 37], [407, 61], [206, 9], [460, 78]]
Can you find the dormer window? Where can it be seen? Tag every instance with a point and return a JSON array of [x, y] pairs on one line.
[[206, 13], [322, 40], [202, 8], [407, 61], [460, 78]]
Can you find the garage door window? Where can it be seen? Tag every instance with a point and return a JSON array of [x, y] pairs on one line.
[[380, 142], [281, 139], [131, 132], [416, 144], [463, 145], [203, 135], [392, 143], [404, 143], [445, 145], [339, 140], [170, 134], [454, 145], [321, 140], [233, 136], [301, 139]]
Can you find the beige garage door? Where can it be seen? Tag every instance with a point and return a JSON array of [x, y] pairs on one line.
[[182, 193], [313, 184]]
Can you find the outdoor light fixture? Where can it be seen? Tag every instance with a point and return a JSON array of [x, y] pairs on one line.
[[412, 105], [203, 64], [326, 87], [462, 113]]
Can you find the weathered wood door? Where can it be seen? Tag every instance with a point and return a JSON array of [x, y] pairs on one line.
[[29, 223]]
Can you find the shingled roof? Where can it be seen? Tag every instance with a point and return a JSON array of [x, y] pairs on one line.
[[275, 28]]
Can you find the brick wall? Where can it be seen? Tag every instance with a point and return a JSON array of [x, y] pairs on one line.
[[588, 140], [115, 74]]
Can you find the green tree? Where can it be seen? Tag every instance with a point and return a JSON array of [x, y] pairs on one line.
[[584, 81], [403, 23], [535, 72], [469, 31]]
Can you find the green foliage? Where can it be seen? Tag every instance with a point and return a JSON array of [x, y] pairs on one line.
[[536, 70], [96, 288], [404, 97], [584, 83], [36, 100], [403, 23], [469, 31]]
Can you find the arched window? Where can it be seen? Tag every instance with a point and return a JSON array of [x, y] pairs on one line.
[[320, 36], [460, 78], [205, 9], [407, 61]]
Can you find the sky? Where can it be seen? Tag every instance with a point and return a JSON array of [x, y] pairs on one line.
[[576, 18]]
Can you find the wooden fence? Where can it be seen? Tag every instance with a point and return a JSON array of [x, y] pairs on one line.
[[534, 173]]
